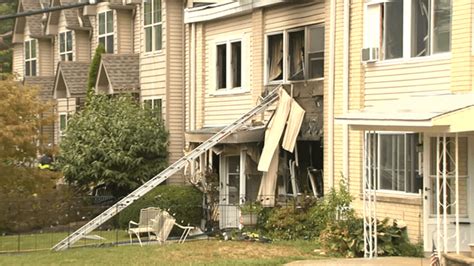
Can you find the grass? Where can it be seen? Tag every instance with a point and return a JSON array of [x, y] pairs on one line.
[[44, 241], [201, 252]]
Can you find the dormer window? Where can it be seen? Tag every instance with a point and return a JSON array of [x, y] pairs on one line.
[[30, 57], [106, 30], [152, 25], [65, 46]]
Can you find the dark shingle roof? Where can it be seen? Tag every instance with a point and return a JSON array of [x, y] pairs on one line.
[[75, 75], [44, 84], [34, 22], [122, 71]]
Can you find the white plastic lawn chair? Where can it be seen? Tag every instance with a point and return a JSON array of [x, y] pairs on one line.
[[145, 224], [166, 224]]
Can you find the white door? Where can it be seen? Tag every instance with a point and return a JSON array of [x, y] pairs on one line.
[[431, 206], [229, 191]]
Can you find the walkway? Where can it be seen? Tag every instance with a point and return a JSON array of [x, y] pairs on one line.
[[385, 261]]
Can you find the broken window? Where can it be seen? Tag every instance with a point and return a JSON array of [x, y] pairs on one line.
[[65, 46], [392, 33], [442, 26], [420, 27], [275, 57], [296, 55], [106, 30], [316, 52], [301, 62], [30, 57], [221, 66]]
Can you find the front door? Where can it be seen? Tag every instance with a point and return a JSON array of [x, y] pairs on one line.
[[433, 162], [229, 191]]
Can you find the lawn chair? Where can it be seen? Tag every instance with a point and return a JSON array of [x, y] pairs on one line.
[[166, 224], [145, 224]]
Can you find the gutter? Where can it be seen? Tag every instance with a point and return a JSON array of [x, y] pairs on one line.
[[216, 11]]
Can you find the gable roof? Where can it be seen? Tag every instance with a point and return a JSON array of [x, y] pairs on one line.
[[34, 22], [74, 18], [121, 72], [45, 86], [74, 75]]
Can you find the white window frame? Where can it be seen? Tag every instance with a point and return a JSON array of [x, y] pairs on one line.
[[286, 66], [229, 74], [152, 100], [61, 130], [378, 168], [407, 32], [107, 32], [152, 25], [66, 53], [29, 58]]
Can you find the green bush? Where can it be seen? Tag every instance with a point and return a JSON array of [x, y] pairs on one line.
[[183, 202], [346, 238], [31, 201]]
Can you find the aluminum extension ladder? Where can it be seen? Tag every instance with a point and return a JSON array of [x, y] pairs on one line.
[[165, 174]]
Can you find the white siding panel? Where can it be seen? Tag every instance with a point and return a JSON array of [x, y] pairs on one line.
[[393, 81], [18, 60]]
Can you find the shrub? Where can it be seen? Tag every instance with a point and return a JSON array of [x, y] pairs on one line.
[[183, 202], [30, 200], [346, 238]]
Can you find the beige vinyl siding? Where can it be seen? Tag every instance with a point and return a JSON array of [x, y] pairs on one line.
[[257, 58], [45, 61], [238, 28], [187, 77], [292, 16], [393, 81], [18, 60], [137, 29], [200, 80], [93, 39], [461, 46], [81, 46], [55, 53], [124, 31], [174, 83]]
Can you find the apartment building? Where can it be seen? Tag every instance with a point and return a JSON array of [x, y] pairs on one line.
[[143, 43], [405, 115], [237, 51]]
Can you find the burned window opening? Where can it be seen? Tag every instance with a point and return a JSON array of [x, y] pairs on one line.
[[275, 57], [296, 55], [236, 48]]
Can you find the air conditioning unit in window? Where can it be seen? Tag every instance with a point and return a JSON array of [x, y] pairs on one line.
[[370, 54]]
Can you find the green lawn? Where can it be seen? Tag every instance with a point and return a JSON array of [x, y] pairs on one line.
[[45, 241], [202, 252]]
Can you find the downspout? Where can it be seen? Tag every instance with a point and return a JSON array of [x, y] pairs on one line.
[[345, 91], [332, 50], [192, 96]]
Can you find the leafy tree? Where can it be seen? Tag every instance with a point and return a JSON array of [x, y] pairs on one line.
[[20, 121], [6, 27], [94, 69], [114, 142]]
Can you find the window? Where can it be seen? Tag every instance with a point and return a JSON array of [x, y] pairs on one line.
[[396, 167], [229, 65], [155, 105], [106, 30], [152, 25], [30, 58], [62, 123], [65, 46], [408, 28], [303, 50]]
